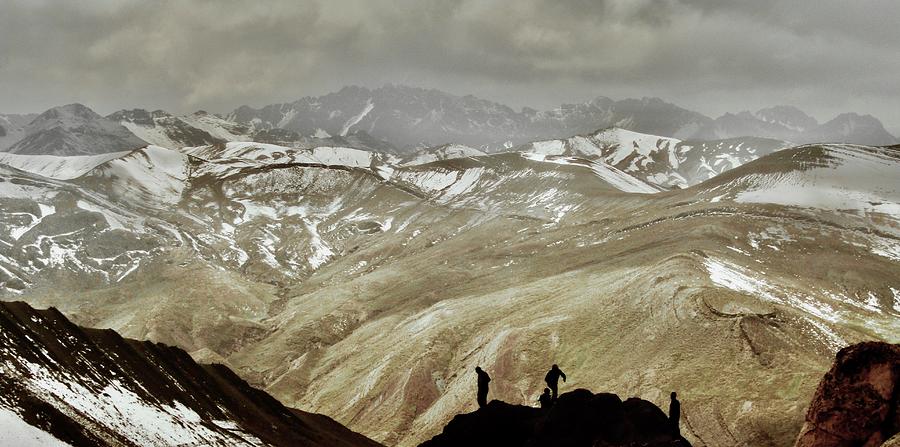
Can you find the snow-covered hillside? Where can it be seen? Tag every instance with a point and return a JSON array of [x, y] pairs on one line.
[[150, 174], [446, 152], [659, 161], [282, 261], [833, 177], [66, 385], [55, 166], [162, 129]]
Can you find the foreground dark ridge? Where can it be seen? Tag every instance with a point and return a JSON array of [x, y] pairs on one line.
[[578, 418], [93, 387]]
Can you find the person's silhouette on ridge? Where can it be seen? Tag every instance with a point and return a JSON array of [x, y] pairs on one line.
[[552, 379], [483, 380], [546, 400], [675, 415]]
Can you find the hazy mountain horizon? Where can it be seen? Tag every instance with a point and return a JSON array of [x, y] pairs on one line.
[[400, 118]]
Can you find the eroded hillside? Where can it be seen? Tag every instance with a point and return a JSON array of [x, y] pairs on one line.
[[347, 284]]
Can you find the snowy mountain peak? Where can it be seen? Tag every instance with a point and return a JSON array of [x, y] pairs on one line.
[[74, 129], [67, 114]]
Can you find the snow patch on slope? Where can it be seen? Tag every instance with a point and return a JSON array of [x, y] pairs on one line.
[[732, 276], [615, 177], [854, 179], [449, 152], [154, 135], [153, 172], [58, 167], [628, 142], [118, 409], [356, 119], [16, 432]]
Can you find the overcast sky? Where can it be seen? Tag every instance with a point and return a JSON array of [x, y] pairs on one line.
[[713, 56]]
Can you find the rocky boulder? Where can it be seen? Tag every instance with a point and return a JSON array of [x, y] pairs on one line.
[[856, 403]]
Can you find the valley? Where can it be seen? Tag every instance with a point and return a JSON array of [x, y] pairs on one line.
[[366, 287]]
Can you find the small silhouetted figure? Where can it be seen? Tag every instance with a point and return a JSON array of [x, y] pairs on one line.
[[675, 415], [552, 379], [483, 380], [546, 399]]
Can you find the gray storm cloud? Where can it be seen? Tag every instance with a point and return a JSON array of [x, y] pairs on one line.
[[825, 56]]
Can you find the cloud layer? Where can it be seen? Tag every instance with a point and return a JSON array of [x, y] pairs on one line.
[[825, 56]]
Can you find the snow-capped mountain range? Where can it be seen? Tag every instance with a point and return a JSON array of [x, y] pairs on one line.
[[364, 281], [282, 261], [402, 120], [413, 118], [660, 161]]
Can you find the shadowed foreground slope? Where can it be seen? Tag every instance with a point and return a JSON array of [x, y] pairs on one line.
[[579, 418], [93, 387]]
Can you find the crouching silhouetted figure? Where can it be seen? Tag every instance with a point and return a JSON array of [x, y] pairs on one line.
[[675, 415], [483, 380], [546, 400], [552, 379]]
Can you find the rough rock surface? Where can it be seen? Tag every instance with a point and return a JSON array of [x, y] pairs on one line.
[[856, 403], [579, 418]]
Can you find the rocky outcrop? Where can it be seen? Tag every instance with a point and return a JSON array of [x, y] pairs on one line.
[[579, 418], [856, 403]]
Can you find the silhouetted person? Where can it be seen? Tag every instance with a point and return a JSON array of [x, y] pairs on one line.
[[675, 415], [483, 380], [552, 379], [546, 399]]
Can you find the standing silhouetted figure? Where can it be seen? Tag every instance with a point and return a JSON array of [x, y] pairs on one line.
[[483, 380], [546, 400], [552, 379], [675, 415]]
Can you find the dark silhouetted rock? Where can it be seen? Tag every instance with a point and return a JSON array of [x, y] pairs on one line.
[[578, 418], [856, 403]]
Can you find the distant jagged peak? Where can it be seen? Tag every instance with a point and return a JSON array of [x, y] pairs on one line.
[[787, 116], [74, 113], [139, 116], [73, 129], [854, 117], [852, 128]]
